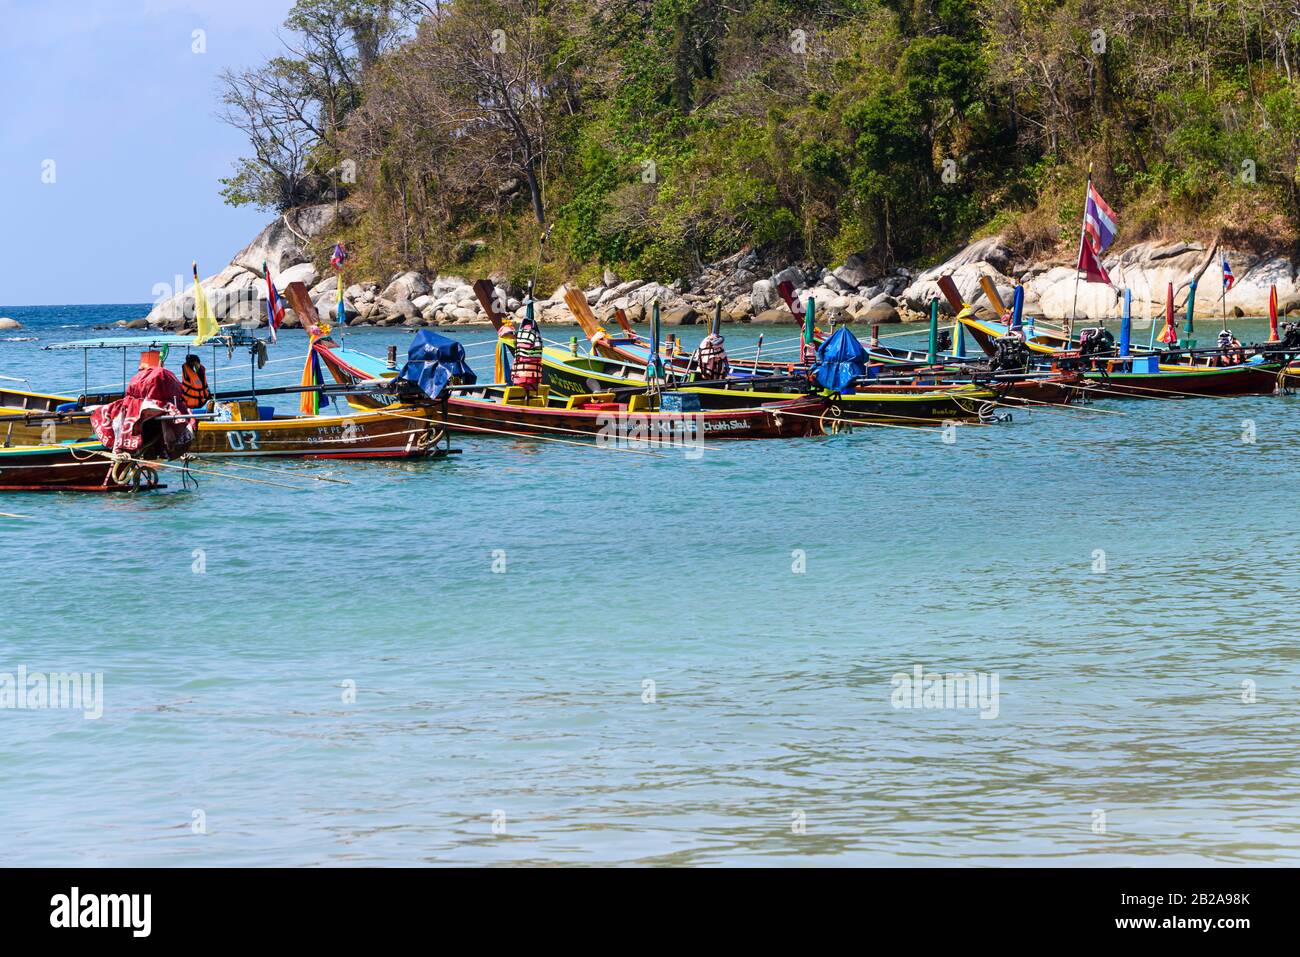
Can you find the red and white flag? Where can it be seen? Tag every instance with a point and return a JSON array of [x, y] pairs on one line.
[[1090, 265]]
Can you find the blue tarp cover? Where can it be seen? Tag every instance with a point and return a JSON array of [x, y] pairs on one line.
[[840, 360], [433, 361]]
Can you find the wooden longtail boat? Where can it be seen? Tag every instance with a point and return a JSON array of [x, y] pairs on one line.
[[386, 434], [29, 418], [354, 435], [1145, 376], [72, 467], [509, 410], [895, 402], [492, 409], [1117, 378], [629, 347], [1140, 375]]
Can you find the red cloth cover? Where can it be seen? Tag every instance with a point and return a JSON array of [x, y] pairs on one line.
[[149, 394]]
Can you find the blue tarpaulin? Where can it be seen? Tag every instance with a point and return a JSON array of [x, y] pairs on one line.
[[433, 361], [840, 360]]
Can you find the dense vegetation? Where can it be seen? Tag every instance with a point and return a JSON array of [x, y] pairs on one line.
[[651, 135]]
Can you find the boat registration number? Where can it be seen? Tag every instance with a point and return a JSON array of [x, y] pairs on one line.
[[240, 441]]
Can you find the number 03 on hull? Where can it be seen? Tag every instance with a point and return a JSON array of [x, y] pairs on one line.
[[361, 435]]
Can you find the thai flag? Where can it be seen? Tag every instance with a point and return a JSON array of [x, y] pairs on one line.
[[1098, 220], [339, 256], [274, 305], [1227, 275]]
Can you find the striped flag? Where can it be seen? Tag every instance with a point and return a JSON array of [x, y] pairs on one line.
[[274, 304], [1227, 275], [339, 256], [1098, 220]]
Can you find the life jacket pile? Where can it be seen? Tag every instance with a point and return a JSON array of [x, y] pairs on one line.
[[194, 383], [527, 370], [711, 358]]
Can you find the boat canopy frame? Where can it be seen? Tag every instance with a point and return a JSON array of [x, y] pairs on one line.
[[230, 338]]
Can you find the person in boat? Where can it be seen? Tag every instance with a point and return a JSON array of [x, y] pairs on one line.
[[1233, 354], [711, 358], [527, 370], [194, 383]]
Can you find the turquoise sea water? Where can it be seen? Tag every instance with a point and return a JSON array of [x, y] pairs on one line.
[[520, 699]]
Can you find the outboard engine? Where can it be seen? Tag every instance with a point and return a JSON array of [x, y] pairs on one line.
[[1010, 354], [1095, 341]]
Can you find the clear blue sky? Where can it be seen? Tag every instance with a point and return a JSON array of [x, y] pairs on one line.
[[111, 91]]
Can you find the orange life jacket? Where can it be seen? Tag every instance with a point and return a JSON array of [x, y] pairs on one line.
[[194, 385]]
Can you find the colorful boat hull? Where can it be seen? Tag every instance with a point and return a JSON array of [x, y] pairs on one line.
[[387, 433], [570, 375], [75, 467], [792, 418]]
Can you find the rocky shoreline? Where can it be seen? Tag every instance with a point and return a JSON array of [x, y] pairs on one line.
[[746, 283]]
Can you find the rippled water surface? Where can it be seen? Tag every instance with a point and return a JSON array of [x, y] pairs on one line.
[[1128, 578]]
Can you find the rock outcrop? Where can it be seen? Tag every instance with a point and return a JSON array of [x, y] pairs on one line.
[[747, 283]]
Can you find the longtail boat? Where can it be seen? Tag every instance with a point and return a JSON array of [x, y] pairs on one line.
[[246, 429], [925, 395], [570, 375], [631, 347], [1146, 374], [511, 410], [150, 419], [73, 467], [350, 435], [506, 409]]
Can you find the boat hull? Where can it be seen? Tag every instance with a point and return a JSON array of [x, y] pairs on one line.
[[68, 468], [392, 433], [580, 375], [789, 419], [388, 433], [1218, 382]]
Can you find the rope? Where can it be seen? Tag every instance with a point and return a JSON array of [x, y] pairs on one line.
[[263, 468]]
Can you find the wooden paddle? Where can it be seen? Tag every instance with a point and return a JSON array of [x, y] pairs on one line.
[[487, 298]]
